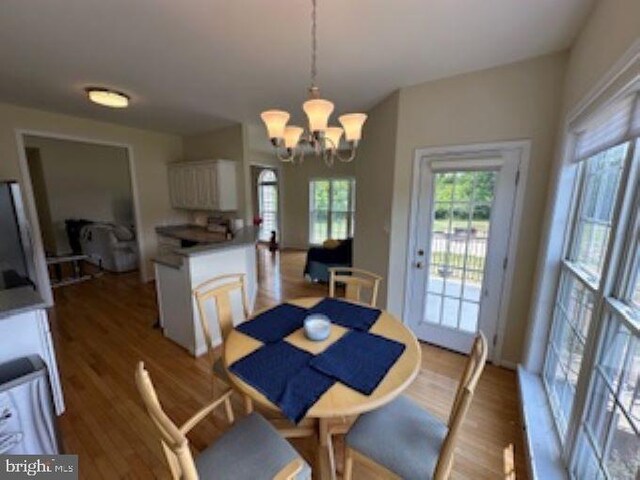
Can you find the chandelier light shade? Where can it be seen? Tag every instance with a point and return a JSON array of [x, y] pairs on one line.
[[292, 136], [291, 142], [352, 124], [332, 136], [318, 112], [275, 120], [107, 98]]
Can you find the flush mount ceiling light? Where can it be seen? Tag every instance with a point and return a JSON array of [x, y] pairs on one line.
[[290, 141], [107, 97]]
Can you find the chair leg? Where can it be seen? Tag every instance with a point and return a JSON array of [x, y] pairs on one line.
[[229, 410], [348, 463], [248, 405]]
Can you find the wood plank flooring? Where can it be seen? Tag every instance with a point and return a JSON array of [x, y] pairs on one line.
[[104, 326]]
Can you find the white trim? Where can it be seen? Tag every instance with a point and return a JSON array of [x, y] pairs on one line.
[[30, 199], [482, 151]]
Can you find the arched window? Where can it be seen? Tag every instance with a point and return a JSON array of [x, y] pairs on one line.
[[268, 203]]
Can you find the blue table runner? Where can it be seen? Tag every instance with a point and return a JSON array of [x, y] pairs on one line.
[[360, 360]]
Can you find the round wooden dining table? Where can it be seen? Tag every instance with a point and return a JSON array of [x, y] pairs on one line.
[[340, 401]]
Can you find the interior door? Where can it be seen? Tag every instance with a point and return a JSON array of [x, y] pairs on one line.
[[461, 236]]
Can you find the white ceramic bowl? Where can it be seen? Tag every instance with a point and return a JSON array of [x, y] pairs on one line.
[[317, 327]]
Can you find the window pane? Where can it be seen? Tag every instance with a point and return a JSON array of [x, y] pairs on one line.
[[340, 195], [321, 195], [611, 425], [339, 225], [601, 179], [572, 319]]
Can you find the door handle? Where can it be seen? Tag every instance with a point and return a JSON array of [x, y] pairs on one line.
[[419, 265]]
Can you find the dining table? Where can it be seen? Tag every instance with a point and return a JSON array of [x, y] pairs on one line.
[[339, 402]]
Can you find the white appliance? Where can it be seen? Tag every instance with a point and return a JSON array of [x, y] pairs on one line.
[[27, 418]]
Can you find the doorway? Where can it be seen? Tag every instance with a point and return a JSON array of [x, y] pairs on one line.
[[464, 212], [267, 201], [83, 194]]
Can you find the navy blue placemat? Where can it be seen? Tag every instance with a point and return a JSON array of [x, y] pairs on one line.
[[360, 360], [275, 324], [347, 314], [302, 391], [281, 373]]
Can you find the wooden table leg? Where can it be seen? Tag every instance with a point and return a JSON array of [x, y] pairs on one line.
[[326, 461]]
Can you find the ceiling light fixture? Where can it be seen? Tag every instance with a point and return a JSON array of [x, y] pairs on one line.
[[107, 97], [290, 141]]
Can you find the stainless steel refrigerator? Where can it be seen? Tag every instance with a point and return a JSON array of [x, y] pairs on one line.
[[17, 267]]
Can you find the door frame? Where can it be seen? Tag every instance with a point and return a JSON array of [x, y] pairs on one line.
[[27, 192], [522, 150], [254, 194]]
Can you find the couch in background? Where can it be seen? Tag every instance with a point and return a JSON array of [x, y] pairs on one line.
[[113, 247], [331, 254]]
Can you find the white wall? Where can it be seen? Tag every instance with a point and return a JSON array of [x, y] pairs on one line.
[[83, 180], [151, 152]]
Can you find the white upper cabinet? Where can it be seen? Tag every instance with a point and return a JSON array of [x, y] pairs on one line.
[[204, 185]]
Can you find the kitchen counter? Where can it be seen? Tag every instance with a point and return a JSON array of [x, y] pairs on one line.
[[244, 236], [178, 271], [19, 300]]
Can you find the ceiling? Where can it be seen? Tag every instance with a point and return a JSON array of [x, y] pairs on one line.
[[194, 65]]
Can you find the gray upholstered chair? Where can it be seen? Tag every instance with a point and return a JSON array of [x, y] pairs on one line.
[[403, 440], [251, 449]]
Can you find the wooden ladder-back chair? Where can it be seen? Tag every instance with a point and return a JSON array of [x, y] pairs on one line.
[[219, 290], [379, 438], [354, 279], [217, 460]]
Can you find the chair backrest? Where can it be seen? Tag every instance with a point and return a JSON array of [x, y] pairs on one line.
[[461, 403], [354, 280], [219, 289], [174, 443]]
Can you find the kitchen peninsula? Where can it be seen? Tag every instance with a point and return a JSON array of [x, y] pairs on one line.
[[179, 270]]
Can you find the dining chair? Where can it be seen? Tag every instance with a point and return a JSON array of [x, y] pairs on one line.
[[354, 279], [251, 449], [219, 290], [403, 440]]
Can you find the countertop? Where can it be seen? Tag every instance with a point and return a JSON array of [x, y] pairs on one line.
[[19, 300], [193, 233], [243, 237]]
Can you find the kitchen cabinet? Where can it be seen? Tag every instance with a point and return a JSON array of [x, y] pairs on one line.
[[204, 185]]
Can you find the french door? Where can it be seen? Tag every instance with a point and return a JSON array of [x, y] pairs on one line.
[[461, 231]]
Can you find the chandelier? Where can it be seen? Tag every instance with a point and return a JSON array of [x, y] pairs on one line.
[[291, 142]]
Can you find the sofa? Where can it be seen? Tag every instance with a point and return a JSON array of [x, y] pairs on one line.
[[111, 247], [331, 254]]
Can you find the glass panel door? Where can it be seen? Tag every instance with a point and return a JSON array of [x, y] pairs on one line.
[[461, 231], [459, 234]]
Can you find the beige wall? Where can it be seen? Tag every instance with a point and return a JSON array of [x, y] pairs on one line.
[[151, 152], [374, 190], [609, 31], [82, 180], [517, 101]]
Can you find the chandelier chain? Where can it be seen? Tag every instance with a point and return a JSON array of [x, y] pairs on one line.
[[314, 45]]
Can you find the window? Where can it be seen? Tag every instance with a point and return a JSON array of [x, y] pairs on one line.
[[268, 203], [331, 209], [592, 363]]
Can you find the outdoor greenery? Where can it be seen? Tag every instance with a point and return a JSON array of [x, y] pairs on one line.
[[464, 195]]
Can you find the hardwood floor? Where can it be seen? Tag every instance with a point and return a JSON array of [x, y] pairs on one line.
[[104, 326]]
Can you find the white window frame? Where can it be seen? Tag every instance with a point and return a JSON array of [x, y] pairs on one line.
[[542, 443], [330, 212]]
